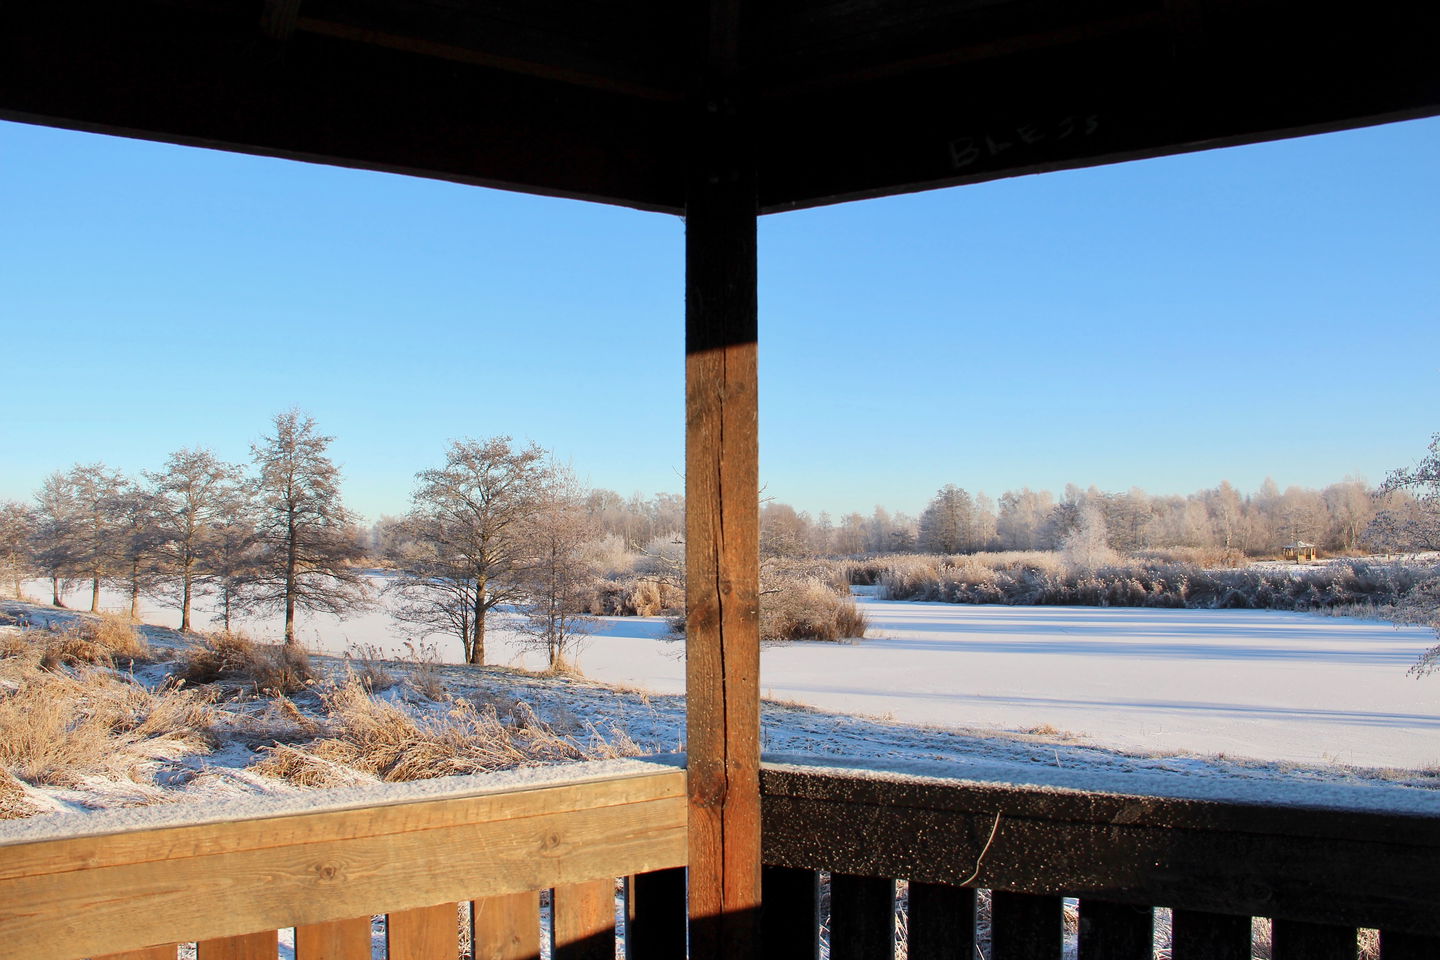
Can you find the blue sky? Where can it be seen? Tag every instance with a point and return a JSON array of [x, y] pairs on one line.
[[1267, 310]]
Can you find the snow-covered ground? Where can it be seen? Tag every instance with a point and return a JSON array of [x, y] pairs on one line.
[[1273, 686]]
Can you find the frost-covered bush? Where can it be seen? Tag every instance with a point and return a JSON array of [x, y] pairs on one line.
[[806, 608], [1049, 579]]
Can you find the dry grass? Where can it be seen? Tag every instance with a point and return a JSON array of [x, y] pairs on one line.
[[367, 662], [14, 804], [276, 669], [371, 739], [106, 641], [59, 727]]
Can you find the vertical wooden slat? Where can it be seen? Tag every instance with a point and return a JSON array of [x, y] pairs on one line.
[[1116, 931], [1293, 940], [166, 952], [425, 933], [1026, 926], [506, 927], [655, 915], [583, 918], [862, 918], [940, 922], [250, 946], [721, 498], [1196, 935], [1408, 946], [341, 940], [790, 914]]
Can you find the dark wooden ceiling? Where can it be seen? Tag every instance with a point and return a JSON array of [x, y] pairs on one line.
[[588, 98]]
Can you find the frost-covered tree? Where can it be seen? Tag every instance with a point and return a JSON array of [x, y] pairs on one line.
[[1021, 521], [17, 531], [1086, 546], [1419, 526], [559, 576], [136, 543], [466, 527], [305, 536], [193, 497], [947, 525], [76, 533]]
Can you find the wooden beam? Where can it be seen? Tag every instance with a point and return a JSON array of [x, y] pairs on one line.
[[1205, 74], [721, 502], [206, 75], [61, 899]]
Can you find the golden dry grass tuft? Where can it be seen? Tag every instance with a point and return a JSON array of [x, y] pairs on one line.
[[385, 741], [277, 669], [59, 727], [806, 608], [106, 641], [14, 804]]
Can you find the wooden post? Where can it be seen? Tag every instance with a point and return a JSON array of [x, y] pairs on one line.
[[722, 503]]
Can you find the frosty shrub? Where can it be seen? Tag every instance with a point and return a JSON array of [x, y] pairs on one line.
[[233, 658], [105, 641], [805, 608]]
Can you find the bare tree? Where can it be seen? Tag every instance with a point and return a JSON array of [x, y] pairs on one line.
[[305, 535], [194, 496], [56, 516], [559, 579], [467, 553], [17, 531]]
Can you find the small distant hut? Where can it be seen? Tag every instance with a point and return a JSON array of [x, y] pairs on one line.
[[1299, 550]]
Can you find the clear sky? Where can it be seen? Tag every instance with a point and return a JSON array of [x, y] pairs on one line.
[[1267, 310]]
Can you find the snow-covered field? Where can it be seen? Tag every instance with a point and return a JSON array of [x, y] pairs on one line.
[[1287, 687]]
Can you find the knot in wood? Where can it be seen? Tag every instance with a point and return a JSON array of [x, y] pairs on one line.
[[327, 872]]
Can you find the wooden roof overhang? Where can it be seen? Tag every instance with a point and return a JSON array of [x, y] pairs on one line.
[[718, 110], [845, 98]]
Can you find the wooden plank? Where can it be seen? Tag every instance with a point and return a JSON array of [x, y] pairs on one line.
[[1025, 926], [790, 914], [1294, 940], [1195, 935], [316, 868], [1408, 946], [862, 917], [1086, 93], [584, 920], [1116, 931], [166, 952], [655, 915], [722, 679], [1367, 870], [941, 922], [424, 933], [250, 946], [338, 940], [506, 927]]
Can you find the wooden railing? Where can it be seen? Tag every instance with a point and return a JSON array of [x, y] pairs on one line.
[[1318, 874], [229, 886]]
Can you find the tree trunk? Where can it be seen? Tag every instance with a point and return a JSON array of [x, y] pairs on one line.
[[477, 644], [95, 595], [135, 591], [55, 600], [290, 582], [185, 580]]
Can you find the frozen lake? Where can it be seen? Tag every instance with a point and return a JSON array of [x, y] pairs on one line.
[[1262, 684]]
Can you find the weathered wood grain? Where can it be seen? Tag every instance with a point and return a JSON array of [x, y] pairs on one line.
[[423, 933], [722, 498], [584, 920], [507, 927], [166, 952], [337, 940], [250, 946]]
